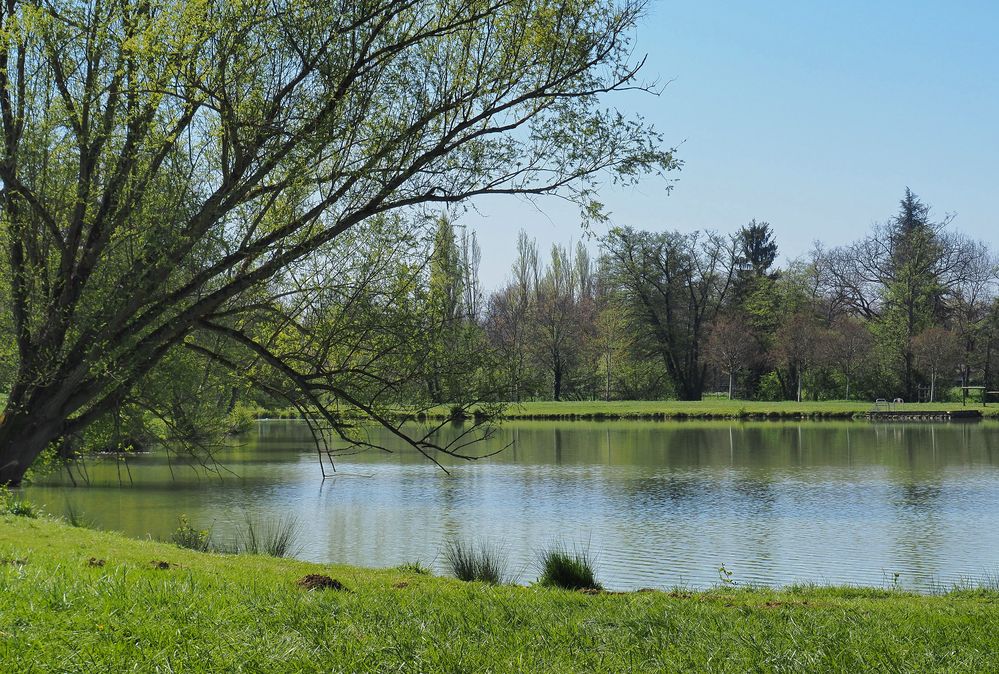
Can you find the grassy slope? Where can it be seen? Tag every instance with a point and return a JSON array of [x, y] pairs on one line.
[[218, 613], [718, 408]]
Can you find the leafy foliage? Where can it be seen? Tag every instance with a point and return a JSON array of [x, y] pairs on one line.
[[179, 177]]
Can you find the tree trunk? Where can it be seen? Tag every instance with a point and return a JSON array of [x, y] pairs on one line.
[[690, 391], [908, 384], [557, 386], [729, 385], [987, 368], [847, 388], [23, 436], [608, 363], [799, 386], [933, 383]]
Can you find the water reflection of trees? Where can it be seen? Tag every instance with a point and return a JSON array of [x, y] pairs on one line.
[[773, 446], [919, 497], [758, 490]]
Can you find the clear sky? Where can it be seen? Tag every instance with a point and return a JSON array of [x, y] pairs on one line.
[[813, 116]]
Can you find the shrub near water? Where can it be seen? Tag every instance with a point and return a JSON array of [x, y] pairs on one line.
[[11, 504], [569, 570], [190, 537]]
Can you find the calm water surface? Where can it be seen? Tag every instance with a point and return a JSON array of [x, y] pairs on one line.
[[658, 504]]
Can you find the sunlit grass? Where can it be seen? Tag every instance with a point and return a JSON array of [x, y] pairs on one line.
[[84, 600], [710, 407]]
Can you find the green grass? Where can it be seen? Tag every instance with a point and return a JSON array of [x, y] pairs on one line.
[[709, 408], [77, 600], [712, 407]]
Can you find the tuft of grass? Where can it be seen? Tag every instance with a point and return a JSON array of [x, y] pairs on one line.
[[74, 516], [274, 538], [568, 569], [415, 568], [484, 563]]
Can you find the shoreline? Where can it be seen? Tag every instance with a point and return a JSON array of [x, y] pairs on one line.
[[139, 603], [712, 409], [715, 409]]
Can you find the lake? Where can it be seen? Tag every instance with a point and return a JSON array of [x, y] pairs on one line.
[[657, 504]]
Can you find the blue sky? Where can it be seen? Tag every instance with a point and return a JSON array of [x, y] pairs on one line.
[[813, 116]]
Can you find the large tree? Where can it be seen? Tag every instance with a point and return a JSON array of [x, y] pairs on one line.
[[903, 276], [510, 321], [561, 316], [674, 286], [165, 162]]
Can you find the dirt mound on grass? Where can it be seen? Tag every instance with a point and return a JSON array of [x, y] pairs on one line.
[[317, 581]]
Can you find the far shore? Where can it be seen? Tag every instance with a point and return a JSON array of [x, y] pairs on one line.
[[714, 408]]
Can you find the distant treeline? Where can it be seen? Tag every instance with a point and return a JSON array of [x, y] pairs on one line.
[[906, 311]]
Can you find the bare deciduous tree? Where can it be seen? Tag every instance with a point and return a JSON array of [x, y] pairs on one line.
[[847, 346], [731, 346], [937, 351]]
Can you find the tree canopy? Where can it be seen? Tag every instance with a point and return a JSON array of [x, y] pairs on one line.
[[168, 166]]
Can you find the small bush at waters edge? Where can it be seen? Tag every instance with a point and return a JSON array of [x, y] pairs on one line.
[[187, 536], [11, 504], [415, 568], [569, 570], [242, 418], [486, 563]]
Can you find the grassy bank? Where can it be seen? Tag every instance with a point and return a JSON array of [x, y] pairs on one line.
[[710, 408], [650, 410], [81, 600]]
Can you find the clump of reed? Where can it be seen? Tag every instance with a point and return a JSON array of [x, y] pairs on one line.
[[275, 537], [482, 562], [75, 517], [567, 569]]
